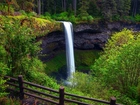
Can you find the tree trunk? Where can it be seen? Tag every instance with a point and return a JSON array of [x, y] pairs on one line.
[[39, 7], [64, 5], [74, 6], [134, 7]]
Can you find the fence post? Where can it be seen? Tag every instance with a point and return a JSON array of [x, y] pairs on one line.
[[61, 96], [21, 89], [113, 101]]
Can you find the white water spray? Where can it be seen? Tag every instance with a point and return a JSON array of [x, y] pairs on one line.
[[68, 28]]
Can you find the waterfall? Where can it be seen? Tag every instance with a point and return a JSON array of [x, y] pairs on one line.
[[68, 29]]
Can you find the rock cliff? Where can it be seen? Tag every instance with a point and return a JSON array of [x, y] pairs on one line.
[[86, 36]]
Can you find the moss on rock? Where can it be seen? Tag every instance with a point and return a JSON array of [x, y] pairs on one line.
[[40, 26]]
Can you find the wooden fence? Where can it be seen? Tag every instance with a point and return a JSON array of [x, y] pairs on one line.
[[59, 97]]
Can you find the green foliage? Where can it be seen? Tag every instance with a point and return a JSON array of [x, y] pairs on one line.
[[4, 9], [72, 18], [118, 67], [39, 77], [28, 14], [92, 87], [137, 18], [3, 71], [109, 9], [84, 6], [90, 18], [94, 8], [20, 46], [9, 101], [61, 16], [116, 18]]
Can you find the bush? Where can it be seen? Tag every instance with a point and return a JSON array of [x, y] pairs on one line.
[[23, 12], [72, 19], [90, 18], [3, 71], [9, 101], [4, 9], [116, 18], [137, 18], [61, 16], [118, 67], [21, 48]]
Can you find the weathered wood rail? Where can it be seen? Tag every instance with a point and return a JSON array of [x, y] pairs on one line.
[[59, 97]]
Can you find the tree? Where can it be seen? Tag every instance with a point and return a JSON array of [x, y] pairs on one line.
[[120, 6], [127, 6], [39, 6], [84, 6], [64, 5], [134, 7], [94, 9], [109, 9], [75, 6]]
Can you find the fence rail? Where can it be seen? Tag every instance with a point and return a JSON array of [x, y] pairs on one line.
[[59, 99]]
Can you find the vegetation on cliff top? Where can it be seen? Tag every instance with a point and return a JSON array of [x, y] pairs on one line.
[[39, 26]]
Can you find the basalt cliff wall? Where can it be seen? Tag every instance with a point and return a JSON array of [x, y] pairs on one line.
[[86, 36]]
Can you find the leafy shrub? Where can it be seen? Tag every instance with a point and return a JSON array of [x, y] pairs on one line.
[[61, 16], [72, 19], [23, 12], [20, 46], [3, 70], [118, 67], [84, 18], [9, 101], [137, 18], [91, 86], [90, 18], [116, 18], [4, 9], [47, 14], [32, 14]]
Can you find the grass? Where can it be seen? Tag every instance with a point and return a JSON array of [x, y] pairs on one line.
[[9, 101]]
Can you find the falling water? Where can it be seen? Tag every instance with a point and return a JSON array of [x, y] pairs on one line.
[[68, 28]]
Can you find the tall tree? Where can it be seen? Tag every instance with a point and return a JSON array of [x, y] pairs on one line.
[[39, 6], [84, 6], [75, 6], [127, 6], [26, 5], [94, 9], [109, 9], [120, 6], [64, 5], [134, 6]]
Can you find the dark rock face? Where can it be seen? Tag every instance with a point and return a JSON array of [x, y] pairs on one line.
[[86, 36]]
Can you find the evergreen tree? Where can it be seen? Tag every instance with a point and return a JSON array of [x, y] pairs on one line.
[[109, 9], [135, 7], [120, 6], [127, 6], [84, 6], [75, 6], [93, 10]]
